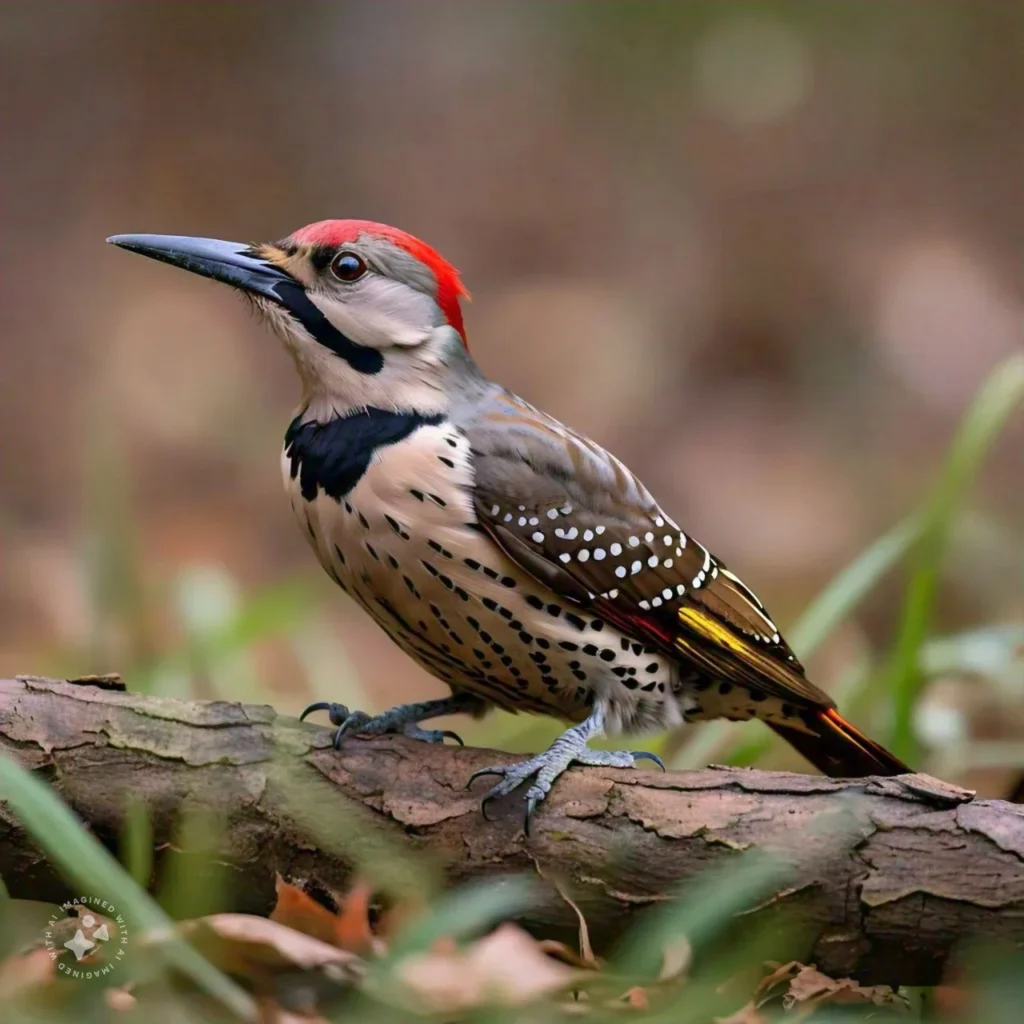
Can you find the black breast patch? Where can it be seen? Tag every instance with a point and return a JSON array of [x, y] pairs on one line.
[[333, 456]]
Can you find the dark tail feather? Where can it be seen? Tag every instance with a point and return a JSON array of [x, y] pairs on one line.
[[840, 750]]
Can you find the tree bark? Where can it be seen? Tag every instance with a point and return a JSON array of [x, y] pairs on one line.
[[890, 877]]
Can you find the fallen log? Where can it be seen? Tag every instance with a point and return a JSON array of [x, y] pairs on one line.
[[914, 869]]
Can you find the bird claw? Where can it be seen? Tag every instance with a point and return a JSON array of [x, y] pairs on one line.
[[337, 713], [349, 722], [531, 806], [546, 768], [646, 755], [414, 732], [480, 774]]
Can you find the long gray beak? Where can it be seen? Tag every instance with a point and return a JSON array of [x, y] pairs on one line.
[[236, 264], [230, 262]]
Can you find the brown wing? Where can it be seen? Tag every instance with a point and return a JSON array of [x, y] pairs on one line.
[[579, 521]]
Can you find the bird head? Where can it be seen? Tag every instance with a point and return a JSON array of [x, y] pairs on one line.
[[369, 313]]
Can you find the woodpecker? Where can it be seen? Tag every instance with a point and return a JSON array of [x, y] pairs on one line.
[[515, 559]]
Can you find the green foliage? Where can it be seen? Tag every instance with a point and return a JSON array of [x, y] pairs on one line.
[[982, 424], [88, 866]]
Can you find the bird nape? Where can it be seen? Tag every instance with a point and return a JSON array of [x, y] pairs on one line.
[[513, 558]]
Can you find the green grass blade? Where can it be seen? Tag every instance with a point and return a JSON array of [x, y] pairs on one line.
[[274, 610], [851, 585], [467, 911], [988, 413], [136, 843], [86, 864], [707, 907]]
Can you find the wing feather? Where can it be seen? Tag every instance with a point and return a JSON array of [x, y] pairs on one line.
[[576, 518]]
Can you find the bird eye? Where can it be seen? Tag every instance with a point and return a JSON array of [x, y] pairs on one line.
[[347, 266]]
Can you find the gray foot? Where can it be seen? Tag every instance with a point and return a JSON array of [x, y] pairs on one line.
[[570, 748], [404, 719]]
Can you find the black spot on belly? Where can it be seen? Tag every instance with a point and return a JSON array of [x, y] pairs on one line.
[[574, 620], [535, 602]]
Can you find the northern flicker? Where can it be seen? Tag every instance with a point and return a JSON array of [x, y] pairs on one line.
[[512, 557]]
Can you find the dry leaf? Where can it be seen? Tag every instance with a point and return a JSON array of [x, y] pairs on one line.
[[349, 929], [807, 988], [586, 950], [120, 999], [352, 931], [636, 998], [19, 973], [813, 988], [566, 954], [255, 946], [507, 968], [774, 983], [294, 909], [675, 959]]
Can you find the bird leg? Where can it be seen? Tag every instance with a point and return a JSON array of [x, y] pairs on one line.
[[404, 718], [570, 748]]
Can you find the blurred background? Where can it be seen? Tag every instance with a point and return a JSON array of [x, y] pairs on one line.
[[766, 253]]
